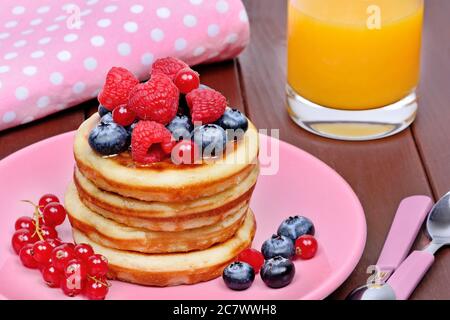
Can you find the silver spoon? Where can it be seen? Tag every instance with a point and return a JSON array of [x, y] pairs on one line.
[[408, 275]]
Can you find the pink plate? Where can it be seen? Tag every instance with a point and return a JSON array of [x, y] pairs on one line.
[[303, 185]]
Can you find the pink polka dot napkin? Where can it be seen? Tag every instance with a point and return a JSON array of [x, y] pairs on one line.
[[54, 54]]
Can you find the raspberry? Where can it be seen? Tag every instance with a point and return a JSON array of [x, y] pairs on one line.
[[206, 105], [168, 66], [118, 84], [155, 100], [150, 142]]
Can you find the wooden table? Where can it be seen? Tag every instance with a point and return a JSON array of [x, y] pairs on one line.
[[416, 161]]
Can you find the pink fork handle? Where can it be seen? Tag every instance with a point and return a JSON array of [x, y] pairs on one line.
[[406, 278], [407, 222]]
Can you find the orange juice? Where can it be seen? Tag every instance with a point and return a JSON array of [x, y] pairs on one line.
[[354, 54]]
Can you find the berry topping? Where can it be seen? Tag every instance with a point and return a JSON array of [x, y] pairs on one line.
[[42, 251], [21, 238], [168, 66], [206, 105], [306, 246], [48, 232], [26, 255], [211, 138], [278, 246], [150, 142], [102, 110], [46, 199], [96, 289], [83, 251], [54, 214], [277, 272], [61, 255], [109, 138], [185, 152], [238, 275], [187, 80], [116, 90], [107, 118], [180, 127], [123, 115], [234, 122], [25, 223], [51, 276], [253, 257], [294, 227], [97, 265], [156, 99]]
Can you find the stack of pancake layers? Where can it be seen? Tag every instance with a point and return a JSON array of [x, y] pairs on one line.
[[163, 224]]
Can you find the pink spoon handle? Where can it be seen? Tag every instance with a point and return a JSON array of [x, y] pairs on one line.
[[406, 278], [407, 221]]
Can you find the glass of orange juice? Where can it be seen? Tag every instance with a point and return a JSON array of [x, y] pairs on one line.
[[353, 66]]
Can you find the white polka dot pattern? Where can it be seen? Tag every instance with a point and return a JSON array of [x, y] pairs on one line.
[[48, 64]]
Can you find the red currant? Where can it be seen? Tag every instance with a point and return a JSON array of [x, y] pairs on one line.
[[61, 255], [42, 251], [46, 199], [185, 152], [25, 223], [96, 289], [123, 115], [306, 246], [253, 257], [97, 265], [76, 267], [54, 242], [187, 80], [26, 256], [20, 238], [83, 251], [52, 277], [48, 232], [54, 214], [72, 286]]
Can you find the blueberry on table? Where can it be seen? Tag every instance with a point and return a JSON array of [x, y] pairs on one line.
[[180, 127], [210, 138], [108, 138], [277, 272], [102, 110], [294, 227], [278, 246], [234, 122], [238, 275]]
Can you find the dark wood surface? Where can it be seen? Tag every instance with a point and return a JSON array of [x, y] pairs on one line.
[[416, 161]]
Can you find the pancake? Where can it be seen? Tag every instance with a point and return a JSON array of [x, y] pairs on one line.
[[164, 181], [163, 216], [114, 235], [176, 268]]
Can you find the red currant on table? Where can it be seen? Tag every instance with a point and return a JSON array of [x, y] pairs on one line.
[[46, 199], [54, 214], [185, 152], [187, 80], [48, 232], [42, 251], [123, 116], [26, 256], [25, 223], [306, 246], [52, 277], [21, 238], [76, 267], [61, 255], [83, 251], [253, 257], [96, 289], [97, 265], [72, 286]]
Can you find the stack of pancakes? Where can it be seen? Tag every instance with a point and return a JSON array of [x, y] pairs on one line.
[[163, 224]]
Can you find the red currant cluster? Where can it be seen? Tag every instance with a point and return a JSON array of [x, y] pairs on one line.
[[74, 268]]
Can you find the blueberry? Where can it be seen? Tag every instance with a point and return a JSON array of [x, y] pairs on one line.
[[277, 272], [234, 122], [180, 127], [278, 246], [238, 275], [107, 118], [109, 138], [102, 110], [211, 138], [294, 227]]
